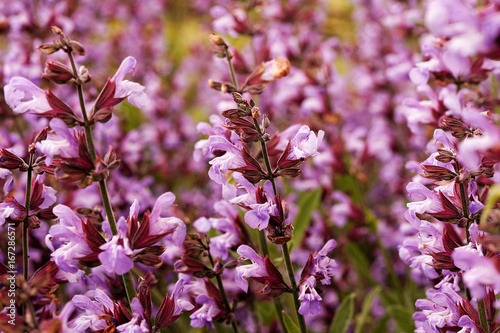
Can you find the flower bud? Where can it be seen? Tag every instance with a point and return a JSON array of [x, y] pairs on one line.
[[84, 74], [77, 47], [256, 113], [49, 48], [56, 30], [216, 39], [57, 72], [281, 67]]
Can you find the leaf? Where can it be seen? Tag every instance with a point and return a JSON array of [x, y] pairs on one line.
[[365, 310], [291, 327], [361, 263], [344, 315], [307, 204], [381, 326], [403, 318], [493, 197]]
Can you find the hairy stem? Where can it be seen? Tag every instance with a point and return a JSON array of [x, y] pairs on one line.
[[482, 315], [25, 235], [126, 279]]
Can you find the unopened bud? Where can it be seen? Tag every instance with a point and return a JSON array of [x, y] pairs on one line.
[[216, 39], [238, 99], [223, 88], [84, 74], [56, 30], [57, 72], [77, 47], [266, 122], [211, 83], [256, 113], [281, 67], [49, 48]]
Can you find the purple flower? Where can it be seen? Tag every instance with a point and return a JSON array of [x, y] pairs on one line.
[[133, 91], [115, 256], [479, 272], [91, 311], [204, 315], [69, 238], [229, 237], [22, 95], [305, 143], [440, 309], [160, 224], [61, 141], [6, 177], [256, 269], [322, 265], [309, 297]]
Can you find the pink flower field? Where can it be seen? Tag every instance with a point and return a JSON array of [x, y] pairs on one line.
[[321, 166]]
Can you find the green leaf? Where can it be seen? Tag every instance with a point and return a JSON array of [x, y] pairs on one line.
[[307, 204], [381, 326], [361, 263], [291, 327], [365, 310], [344, 315], [403, 318], [493, 197]]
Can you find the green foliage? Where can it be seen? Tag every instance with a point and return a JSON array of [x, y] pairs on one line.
[[344, 315], [403, 318], [360, 261], [307, 203], [291, 327], [365, 310]]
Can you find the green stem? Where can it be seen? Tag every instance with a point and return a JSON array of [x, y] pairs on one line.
[[25, 235], [289, 268], [286, 254], [231, 69], [482, 315], [465, 208], [126, 279], [223, 294], [278, 306], [480, 302], [26, 222]]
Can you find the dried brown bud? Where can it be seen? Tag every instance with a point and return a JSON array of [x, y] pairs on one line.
[[77, 47]]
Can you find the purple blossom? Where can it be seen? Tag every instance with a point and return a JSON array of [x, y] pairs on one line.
[[67, 240], [133, 91], [116, 252], [324, 266], [309, 297], [205, 314], [256, 269], [61, 141], [479, 272], [22, 95], [8, 181]]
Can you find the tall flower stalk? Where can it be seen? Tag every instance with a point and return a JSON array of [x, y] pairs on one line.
[[126, 279]]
